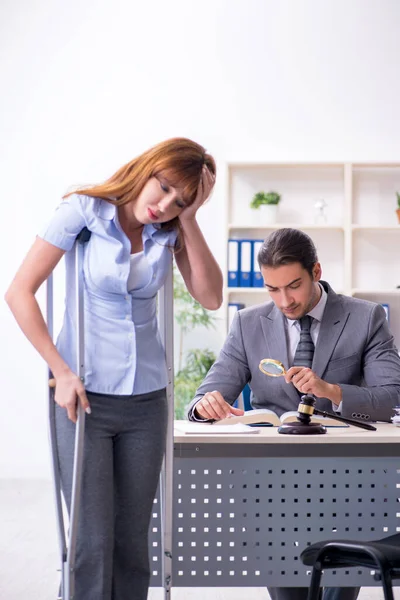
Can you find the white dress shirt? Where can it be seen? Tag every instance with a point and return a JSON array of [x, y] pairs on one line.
[[293, 331], [293, 326]]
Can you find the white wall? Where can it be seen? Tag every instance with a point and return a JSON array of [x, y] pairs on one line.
[[85, 86]]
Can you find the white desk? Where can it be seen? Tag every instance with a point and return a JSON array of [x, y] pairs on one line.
[[386, 433], [245, 505]]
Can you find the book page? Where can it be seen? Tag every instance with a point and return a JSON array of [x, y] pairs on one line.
[[258, 415], [290, 415], [208, 429]]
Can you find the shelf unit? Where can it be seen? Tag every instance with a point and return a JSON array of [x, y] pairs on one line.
[[359, 243]]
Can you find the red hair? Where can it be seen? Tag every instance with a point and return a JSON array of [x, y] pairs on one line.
[[181, 160]]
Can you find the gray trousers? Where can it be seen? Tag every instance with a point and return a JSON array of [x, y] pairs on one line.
[[124, 448], [301, 593]]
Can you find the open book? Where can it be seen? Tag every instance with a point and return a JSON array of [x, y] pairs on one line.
[[264, 415]]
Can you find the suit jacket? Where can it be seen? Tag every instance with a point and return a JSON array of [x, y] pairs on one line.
[[355, 349]]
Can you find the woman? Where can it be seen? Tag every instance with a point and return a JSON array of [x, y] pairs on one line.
[[138, 218]]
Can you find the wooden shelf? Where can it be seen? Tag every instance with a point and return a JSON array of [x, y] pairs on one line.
[[371, 292], [359, 245], [292, 225], [373, 165], [246, 290], [382, 228], [288, 165]]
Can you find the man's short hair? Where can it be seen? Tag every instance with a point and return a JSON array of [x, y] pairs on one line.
[[287, 246]]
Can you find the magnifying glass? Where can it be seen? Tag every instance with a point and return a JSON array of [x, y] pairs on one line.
[[306, 408], [271, 367]]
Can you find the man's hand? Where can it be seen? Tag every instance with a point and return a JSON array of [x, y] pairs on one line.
[[213, 406], [308, 382]]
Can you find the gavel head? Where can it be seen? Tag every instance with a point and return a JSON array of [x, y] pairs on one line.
[[306, 409]]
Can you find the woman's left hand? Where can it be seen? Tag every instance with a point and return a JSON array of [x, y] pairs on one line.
[[204, 190]]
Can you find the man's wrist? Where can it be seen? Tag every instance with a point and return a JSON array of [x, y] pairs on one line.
[[334, 394], [194, 415]]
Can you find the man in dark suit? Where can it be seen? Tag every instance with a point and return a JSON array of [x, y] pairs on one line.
[[335, 347]]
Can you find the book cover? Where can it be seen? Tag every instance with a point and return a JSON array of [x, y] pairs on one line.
[[256, 276], [233, 307], [246, 263], [233, 263]]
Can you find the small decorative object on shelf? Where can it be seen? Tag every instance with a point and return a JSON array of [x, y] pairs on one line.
[[398, 206], [265, 206], [320, 212], [396, 418]]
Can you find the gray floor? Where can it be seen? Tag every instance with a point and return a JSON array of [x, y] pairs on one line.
[[28, 551]]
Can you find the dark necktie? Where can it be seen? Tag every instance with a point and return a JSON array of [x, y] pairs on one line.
[[305, 348]]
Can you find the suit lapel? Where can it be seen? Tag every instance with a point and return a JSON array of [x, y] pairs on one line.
[[333, 321], [273, 326]]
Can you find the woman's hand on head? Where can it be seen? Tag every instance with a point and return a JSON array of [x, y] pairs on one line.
[[204, 190], [69, 389]]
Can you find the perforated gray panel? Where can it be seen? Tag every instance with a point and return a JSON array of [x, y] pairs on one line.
[[155, 544], [244, 521]]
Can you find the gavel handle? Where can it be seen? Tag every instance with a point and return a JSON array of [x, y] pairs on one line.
[[52, 383], [360, 424]]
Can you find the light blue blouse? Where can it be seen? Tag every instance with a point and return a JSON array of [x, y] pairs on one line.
[[123, 350]]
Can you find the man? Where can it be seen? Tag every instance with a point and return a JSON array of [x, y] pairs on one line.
[[335, 347]]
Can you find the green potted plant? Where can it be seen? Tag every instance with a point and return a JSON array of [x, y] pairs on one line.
[[193, 365], [265, 207], [187, 380], [398, 206]]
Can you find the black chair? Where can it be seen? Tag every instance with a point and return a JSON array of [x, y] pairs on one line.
[[381, 555]]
